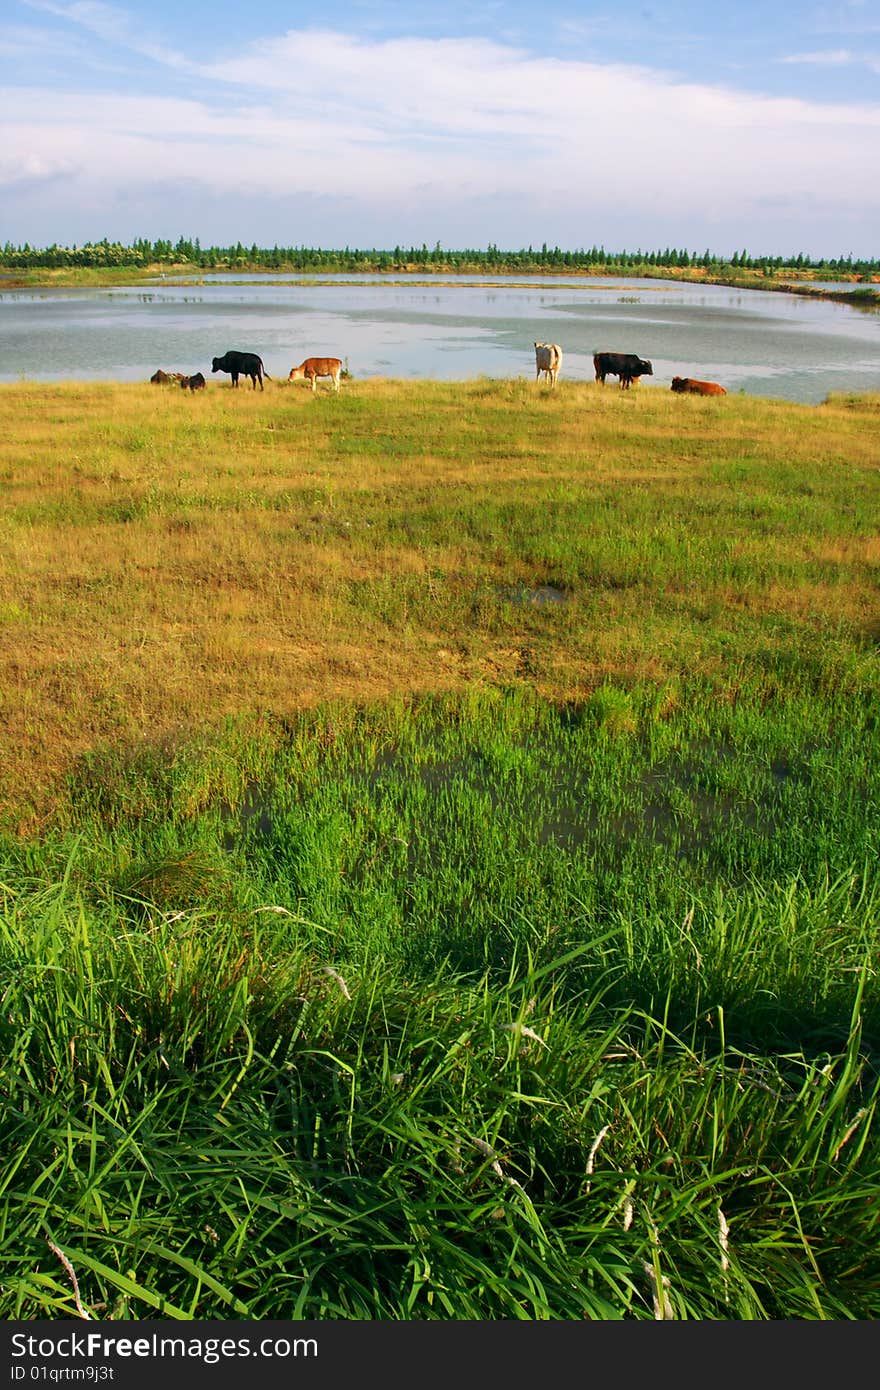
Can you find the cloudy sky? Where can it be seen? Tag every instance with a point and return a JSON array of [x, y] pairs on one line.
[[375, 122]]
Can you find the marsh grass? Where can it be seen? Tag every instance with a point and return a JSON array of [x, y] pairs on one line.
[[376, 942], [346, 1045]]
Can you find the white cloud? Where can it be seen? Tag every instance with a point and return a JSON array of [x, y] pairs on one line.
[[482, 87], [825, 58], [112, 25], [836, 58], [447, 124], [32, 171]]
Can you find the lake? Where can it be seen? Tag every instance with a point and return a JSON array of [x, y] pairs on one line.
[[459, 327]]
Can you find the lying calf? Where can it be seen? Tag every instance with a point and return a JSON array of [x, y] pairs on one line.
[[698, 388]]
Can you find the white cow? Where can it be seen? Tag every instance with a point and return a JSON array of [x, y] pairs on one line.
[[548, 359]]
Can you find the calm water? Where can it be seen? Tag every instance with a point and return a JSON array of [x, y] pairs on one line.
[[761, 343]]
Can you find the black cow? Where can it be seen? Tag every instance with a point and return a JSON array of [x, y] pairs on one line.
[[624, 365], [195, 383], [241, 364]]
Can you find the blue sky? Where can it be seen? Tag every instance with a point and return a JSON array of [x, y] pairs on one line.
[[378, 122]]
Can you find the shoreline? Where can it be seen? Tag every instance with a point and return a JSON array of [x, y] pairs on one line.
[[854, 290]]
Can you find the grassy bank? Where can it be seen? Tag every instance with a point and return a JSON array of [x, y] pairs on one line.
[[438, 875], [171, 558]]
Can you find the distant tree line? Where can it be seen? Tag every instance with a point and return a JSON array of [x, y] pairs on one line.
[[143, 253]]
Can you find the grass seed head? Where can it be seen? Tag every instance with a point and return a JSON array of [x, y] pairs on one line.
[[335, 975]]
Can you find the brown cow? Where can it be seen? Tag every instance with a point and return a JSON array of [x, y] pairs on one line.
[[160, 378], [697, 388], [313, 367], [195, 383]]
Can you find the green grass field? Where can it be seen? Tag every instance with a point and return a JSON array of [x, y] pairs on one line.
[[438, 867]]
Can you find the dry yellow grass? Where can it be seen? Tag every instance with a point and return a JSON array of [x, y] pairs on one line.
[[167, 559]]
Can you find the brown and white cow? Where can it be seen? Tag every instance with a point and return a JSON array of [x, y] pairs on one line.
[[548, 359], [697, 388], [313, 367]]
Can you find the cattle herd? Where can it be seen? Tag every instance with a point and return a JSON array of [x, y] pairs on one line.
[[626, 366], [248, 364]]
